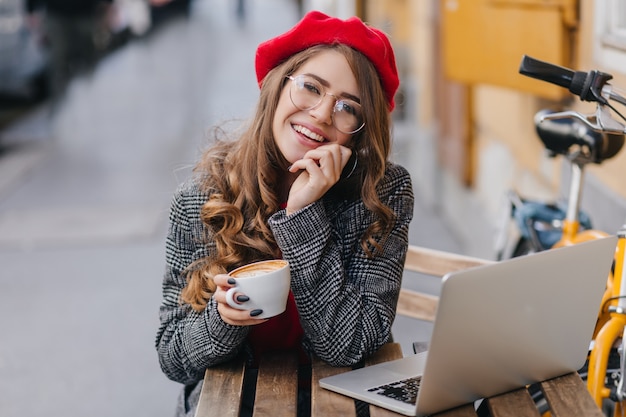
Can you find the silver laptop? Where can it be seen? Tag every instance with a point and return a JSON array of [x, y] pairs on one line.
[[498, 327]]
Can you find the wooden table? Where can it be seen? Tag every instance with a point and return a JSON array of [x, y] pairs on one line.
[[277, 387]]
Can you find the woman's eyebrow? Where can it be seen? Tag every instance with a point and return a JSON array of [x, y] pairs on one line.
[[342, 94]]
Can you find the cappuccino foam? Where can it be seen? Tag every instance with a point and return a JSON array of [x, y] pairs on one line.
[[259, 268]]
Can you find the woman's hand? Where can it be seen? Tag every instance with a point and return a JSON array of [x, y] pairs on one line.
[[321, 169], [229, 314]]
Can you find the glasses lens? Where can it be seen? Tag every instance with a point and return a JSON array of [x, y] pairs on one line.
[[347, 116], [307, 93]]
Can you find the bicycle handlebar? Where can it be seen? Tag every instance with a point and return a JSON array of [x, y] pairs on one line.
[[544, 71], [589, 86], [586, 85]]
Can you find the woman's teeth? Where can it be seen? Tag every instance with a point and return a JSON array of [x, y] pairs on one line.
[[306, 132]]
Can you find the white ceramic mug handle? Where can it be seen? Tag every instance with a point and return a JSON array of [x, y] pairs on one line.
[[230, 294]]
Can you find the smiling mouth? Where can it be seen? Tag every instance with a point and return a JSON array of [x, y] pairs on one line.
[[308, 133]]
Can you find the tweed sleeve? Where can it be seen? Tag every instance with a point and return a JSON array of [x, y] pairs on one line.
[[188, 341], [346, 301]]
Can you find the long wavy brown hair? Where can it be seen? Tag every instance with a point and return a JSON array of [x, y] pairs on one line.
[[243, 178]]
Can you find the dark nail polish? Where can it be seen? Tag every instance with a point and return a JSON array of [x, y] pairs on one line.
[[232, 281], [242, 298], [256, 312]]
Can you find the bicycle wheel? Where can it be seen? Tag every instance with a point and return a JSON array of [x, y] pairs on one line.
[[523, 247]]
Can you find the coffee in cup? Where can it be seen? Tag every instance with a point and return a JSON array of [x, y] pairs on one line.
[[265, 283]]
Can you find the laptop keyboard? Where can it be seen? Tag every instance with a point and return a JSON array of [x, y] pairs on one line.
[[405, 390]]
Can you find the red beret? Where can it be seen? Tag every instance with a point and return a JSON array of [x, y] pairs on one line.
[[316, 28]]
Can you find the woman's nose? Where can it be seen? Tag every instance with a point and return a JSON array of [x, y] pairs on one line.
[[324, 111]]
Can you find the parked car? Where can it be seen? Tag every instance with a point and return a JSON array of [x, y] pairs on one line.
[[161, 10], [23, 56]]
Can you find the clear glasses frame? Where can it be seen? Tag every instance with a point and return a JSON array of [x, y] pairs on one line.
[[306, 93]]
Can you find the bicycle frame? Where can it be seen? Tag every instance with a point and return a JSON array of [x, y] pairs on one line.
[[612, 313], [609, 331], [592, 86], [611, 322]]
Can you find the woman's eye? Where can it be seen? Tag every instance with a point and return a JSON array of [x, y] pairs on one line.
[[346, 107], [312, 88]]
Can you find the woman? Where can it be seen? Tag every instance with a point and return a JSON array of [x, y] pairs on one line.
[[308, 181]]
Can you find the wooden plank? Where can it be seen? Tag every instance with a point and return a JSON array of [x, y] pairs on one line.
[[277, 386], [422, 306], [417, 305], [516, 403], [462, 411], [568, 397], [438, 263], [325, 403], [221, 390]]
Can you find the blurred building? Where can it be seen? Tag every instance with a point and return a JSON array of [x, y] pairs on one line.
[[466, 114]]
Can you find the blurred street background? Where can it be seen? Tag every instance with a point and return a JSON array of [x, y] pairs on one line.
[[86, 175], [84, 194]]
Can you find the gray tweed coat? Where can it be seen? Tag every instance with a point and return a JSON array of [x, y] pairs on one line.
[[346, 301]]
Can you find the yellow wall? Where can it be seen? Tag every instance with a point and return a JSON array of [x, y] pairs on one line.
[[506, 116], [612, 172], [409, 26], [502, 118], [421, 58], [391, 16]]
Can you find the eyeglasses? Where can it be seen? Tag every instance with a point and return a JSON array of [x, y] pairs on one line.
[[307, 93]]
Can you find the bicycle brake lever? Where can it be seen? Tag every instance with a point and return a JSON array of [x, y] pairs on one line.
[[569, 114], [608, 123], [603, 120]]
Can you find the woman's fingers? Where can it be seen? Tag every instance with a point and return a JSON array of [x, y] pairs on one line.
[[236, 317], [230, 314], [323, 164], [321, 169]]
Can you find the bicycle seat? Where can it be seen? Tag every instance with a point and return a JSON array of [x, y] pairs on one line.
[[572, 138]]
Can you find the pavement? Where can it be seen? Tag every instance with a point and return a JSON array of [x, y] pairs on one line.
[[84, 196]]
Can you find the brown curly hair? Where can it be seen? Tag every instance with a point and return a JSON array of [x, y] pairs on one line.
[[241, 177]]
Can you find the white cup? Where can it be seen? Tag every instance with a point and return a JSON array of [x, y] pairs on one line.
[[265, 283]]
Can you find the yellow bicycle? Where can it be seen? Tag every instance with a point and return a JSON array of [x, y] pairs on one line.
[[583, 139]]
